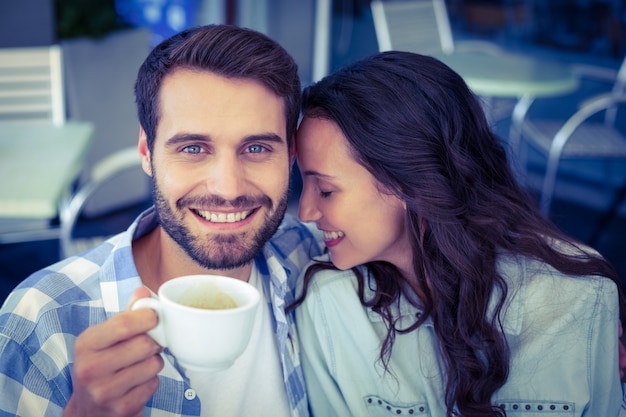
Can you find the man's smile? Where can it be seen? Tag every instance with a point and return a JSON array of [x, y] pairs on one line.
[[221, 217]]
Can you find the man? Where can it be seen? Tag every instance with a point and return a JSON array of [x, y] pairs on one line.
[[218, 106]]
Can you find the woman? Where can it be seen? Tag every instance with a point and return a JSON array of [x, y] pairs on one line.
[[454, 295]]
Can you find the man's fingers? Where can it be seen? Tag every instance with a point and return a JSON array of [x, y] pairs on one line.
[[120, 327], [141, 292], [133, 402], [116, 363], [91, 365], [127, 379]]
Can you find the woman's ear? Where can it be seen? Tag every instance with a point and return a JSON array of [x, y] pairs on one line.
[[144, 152]]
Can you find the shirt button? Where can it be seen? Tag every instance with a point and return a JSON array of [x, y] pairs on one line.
[[190, 394]]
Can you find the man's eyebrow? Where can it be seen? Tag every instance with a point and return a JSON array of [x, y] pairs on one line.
[[196, 137], [187, 137], [265, 137]]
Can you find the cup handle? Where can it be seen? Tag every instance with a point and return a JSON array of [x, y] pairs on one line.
[[158, 332]]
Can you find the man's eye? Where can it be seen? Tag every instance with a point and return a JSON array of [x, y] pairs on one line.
[[325, 194], [192, 149], [256, 149]]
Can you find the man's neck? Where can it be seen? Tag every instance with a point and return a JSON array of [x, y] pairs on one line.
[[158, 259]]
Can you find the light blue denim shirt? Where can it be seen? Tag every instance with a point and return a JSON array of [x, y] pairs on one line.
[[562, 334]]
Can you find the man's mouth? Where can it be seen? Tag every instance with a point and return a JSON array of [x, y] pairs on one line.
[[220, 217]]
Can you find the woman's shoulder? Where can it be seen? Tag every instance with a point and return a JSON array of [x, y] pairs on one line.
[[535, 288], [519, 270]]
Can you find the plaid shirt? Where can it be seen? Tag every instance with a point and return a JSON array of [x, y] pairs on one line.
[[41, 319]]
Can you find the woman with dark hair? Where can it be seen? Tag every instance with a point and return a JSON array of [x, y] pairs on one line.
[[445, 292]]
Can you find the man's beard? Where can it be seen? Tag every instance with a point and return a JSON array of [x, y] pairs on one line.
[[219, 250]]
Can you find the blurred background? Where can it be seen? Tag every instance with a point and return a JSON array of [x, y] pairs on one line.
[[105, 41]]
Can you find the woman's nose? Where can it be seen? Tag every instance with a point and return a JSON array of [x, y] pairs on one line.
[[308, 210]]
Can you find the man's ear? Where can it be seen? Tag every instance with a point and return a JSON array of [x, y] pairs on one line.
[[144, 152]]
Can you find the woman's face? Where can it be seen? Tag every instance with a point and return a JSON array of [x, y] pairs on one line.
[[361, 221]]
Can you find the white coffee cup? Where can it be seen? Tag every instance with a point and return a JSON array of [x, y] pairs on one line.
[[201, 335]]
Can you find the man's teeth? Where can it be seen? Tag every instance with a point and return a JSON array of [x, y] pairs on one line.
[[224, 217], [333, 235]]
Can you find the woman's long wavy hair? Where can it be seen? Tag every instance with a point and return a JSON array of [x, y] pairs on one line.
[[418, 129]]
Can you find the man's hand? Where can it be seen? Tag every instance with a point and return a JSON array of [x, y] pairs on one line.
[[116, 365]]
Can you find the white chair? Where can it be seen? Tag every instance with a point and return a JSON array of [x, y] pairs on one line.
[[31, 84], [423, 26], [582, 135], [420, 26], [114, 167], [31, 90]]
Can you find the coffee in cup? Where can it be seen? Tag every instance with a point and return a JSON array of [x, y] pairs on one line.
[[206, 296]]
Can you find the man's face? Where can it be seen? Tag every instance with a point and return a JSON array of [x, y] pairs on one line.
[[220, 166]]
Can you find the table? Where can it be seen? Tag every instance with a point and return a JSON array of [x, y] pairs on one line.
[[508, 75], [38, 163]]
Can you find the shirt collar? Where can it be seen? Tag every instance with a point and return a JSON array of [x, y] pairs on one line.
[[118, 276]]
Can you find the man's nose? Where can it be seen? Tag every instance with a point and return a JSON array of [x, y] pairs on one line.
[[226, 176]]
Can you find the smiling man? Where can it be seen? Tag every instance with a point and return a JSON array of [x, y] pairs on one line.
[[218, 163], [217, 106]]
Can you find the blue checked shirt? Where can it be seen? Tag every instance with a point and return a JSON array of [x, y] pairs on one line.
[[41, 319]]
